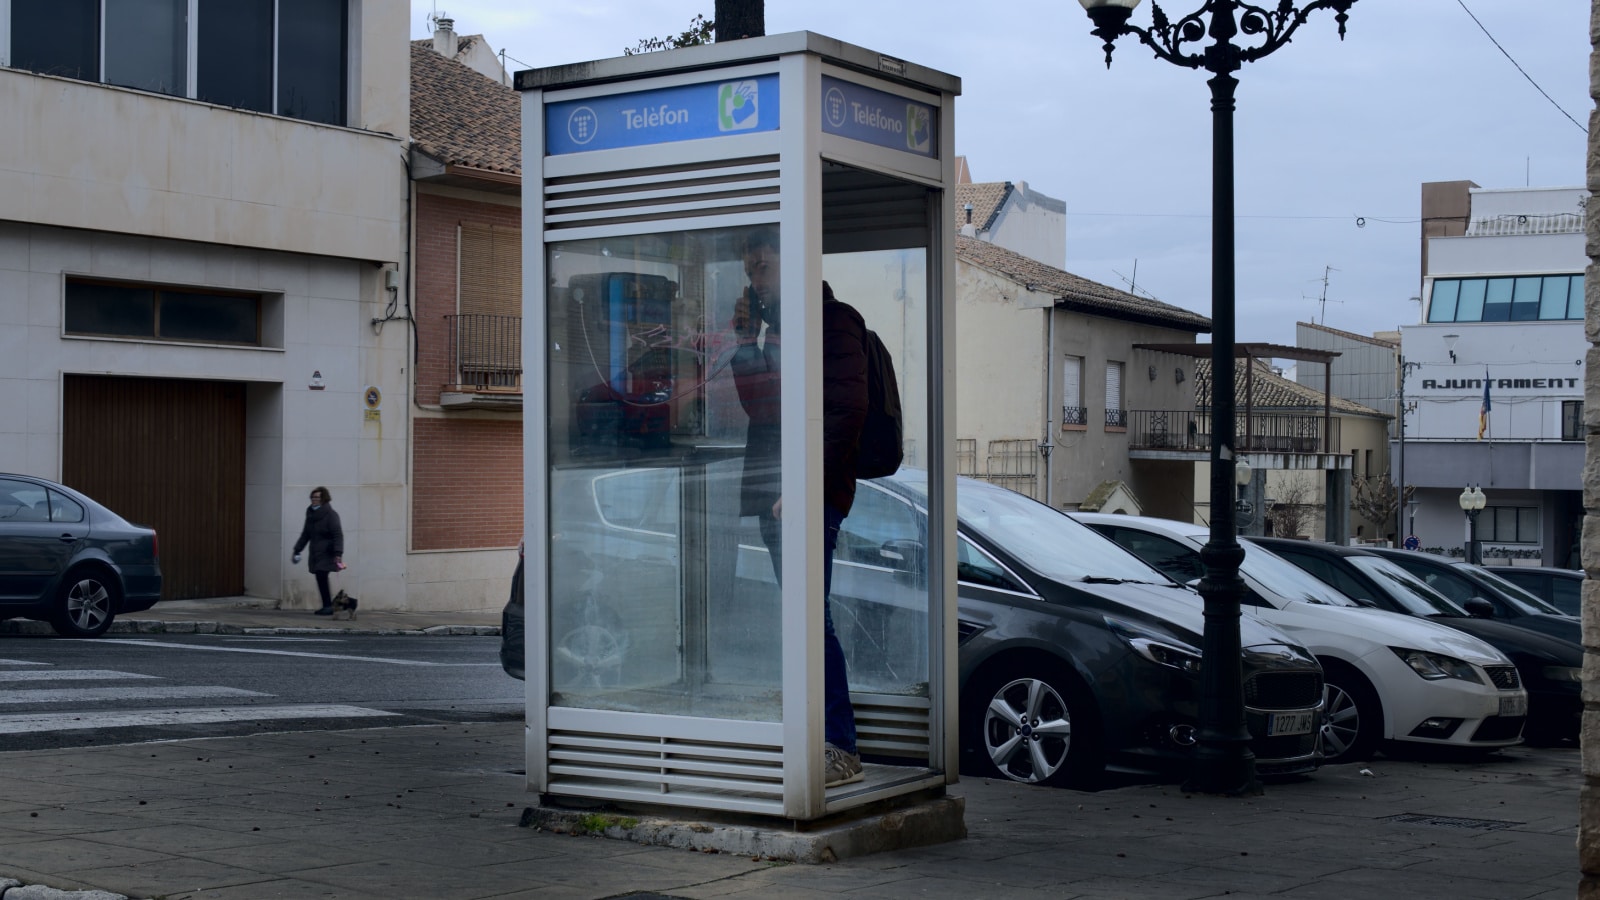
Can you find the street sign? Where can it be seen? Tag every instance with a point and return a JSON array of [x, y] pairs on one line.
[[1411, 542]]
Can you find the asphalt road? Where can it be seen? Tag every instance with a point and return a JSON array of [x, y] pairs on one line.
[[57, 693]]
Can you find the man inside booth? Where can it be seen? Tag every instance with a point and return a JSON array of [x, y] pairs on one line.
[[756, 372]]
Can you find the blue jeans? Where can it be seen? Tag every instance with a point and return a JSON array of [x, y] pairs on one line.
[[839, 717]]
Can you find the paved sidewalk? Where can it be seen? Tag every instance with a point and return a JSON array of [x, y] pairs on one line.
[[253, 615], [433, 811]]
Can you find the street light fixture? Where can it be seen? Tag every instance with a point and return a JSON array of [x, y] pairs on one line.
[[1223, 761], [1472, 502], [1241, 475]]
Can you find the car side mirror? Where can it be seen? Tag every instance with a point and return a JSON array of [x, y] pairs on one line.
[[1479, 608]]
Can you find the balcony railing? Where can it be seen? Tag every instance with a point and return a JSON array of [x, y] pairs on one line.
[[1181, 429], [486, 351], [1116, 418], [1074, 415]]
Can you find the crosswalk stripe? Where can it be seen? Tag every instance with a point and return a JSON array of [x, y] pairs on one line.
[[105, 694], [164, 646], [30, 724], [20, 662], [71, 675]]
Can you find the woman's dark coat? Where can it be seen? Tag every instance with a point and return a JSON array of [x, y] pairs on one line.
[[325, 536]]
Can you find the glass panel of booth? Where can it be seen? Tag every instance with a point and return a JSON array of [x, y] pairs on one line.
[[664, 451]]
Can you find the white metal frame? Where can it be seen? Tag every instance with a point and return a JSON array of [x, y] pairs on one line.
[[564, 756]]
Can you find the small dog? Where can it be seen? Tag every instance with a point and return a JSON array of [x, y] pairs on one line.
[[344, 603]]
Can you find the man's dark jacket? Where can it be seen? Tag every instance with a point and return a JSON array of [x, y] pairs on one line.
[[756, 375]]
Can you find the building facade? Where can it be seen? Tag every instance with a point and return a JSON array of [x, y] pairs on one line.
[[1494, 371], [201, 220]]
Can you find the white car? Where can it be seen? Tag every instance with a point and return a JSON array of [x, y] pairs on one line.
[[1387, 676]]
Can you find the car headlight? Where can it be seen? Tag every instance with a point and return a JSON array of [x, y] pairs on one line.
[[1158, 648], [1434, 666], [1564, 673]]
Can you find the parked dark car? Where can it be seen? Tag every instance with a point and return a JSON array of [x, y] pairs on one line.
[[1561, 588], [1074, 656], [1465, 583], [70, 561], [1550, 668]]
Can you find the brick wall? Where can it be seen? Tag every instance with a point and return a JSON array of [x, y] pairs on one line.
[[437, 219], [466, 472], [466, 484]]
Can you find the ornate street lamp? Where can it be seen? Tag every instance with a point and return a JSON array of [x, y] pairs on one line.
[[1223, 761], [1472, 502], [1245, 509]]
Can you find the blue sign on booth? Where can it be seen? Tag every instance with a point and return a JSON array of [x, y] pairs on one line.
[[878, 117], [662, 116]]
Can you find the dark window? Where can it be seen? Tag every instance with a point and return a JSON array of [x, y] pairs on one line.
[[1572, 420], [173, 314], [311, 60], [147, 45], [57, 37], [64, 508], [1172, 559], [1509, 524], [111, 309], [234, 59]]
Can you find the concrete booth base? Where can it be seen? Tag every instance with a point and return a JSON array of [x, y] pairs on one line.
[[913, 820]]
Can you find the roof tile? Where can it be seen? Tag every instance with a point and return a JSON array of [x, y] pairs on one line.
[[462, 118]]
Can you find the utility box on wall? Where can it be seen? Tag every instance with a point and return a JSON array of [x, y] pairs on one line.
[[683, 211]]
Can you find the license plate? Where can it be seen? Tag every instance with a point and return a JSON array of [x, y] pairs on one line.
[[1290, 723], [1514, 705]]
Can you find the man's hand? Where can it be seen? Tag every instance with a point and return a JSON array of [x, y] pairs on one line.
[[744, 324], [777, 509]]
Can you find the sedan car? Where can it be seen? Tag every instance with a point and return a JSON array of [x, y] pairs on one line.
[[1386, 674], [1561, 588], [1469, 585], [1551, 669], [1074, 656], [70, 561]]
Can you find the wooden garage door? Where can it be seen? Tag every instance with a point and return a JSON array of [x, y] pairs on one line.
[[169, 454]]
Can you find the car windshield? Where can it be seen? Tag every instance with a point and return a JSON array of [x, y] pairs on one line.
[[1041, 538], [1405, 588], [1288, 580], [1518, 596]]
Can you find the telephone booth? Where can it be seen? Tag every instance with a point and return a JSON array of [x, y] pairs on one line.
[[681, 212]]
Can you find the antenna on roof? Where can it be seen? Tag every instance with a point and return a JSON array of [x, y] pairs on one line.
[[1133, 283], [1323, 300]]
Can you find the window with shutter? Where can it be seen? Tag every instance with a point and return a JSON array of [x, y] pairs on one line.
[[488, 332], [1115, 416], [1072, 412]]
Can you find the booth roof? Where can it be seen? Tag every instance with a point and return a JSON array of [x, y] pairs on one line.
[[461, 117], [1073, 292]]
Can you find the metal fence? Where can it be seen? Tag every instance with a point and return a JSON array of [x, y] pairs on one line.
[[1181, 429], [486, 351]]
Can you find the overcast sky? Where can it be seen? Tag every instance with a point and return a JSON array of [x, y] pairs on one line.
[[1325, 131]]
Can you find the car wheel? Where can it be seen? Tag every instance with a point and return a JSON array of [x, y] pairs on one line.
[[1037, 727], [86, 602], [1352, 717]]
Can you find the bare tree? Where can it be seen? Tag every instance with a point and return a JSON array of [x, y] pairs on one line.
[[1377, 499], [1293, 509]]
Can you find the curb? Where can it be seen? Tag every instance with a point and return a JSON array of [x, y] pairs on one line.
[[157, 626], [12, 889]]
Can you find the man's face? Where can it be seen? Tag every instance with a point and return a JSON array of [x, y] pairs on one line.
[[761, 267]]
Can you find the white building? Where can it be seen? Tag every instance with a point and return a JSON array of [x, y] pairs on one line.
[[1502, 322], [201, 215]]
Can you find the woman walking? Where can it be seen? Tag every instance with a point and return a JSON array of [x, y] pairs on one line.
[[326, 539]]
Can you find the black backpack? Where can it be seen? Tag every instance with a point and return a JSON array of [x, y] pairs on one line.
[[881, 452]]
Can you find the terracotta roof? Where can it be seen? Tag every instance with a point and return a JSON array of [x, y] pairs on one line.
[[1075, 293], [1273, 392], [986, 198], [461, 118], [1352, 335]]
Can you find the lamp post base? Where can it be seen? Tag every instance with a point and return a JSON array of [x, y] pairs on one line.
[[1228, 770]]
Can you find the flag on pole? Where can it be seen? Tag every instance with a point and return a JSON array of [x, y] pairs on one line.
[[1483, 411]]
